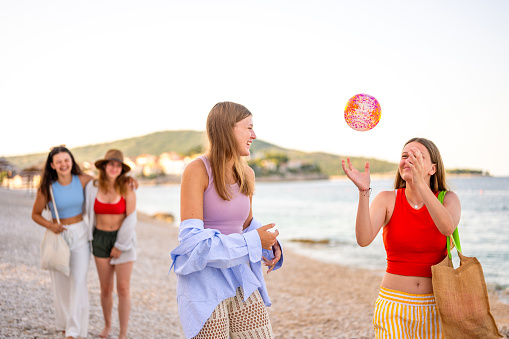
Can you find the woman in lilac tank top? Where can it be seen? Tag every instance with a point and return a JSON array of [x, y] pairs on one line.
[[220, 288]]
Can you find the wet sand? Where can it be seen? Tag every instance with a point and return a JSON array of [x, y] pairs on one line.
[[310, 299]]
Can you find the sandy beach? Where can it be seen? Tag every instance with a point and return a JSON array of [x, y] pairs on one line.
[[310, 299]]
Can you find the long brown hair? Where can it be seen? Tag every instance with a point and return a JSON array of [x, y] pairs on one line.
[[49, 175], [223, 148], [120, 184], [437, 180]]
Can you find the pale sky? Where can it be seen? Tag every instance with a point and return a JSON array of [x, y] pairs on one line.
[[86, 72]]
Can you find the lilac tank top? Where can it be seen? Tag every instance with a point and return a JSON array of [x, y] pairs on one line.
[[225, 216]]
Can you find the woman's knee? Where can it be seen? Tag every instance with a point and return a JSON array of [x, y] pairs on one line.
[[123, 289], [106, 289]]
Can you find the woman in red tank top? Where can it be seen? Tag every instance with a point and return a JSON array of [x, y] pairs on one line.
[[415, 228]]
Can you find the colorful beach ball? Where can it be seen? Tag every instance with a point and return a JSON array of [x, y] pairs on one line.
[[362, 112]]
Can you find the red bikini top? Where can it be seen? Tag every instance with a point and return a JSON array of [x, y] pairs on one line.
[[102, 208]]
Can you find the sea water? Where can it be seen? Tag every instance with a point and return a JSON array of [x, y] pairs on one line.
[[317, 219]]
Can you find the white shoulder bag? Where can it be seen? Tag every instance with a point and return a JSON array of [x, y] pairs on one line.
[[55, 253]]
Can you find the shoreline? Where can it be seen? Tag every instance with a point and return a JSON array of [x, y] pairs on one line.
[[310, 298], [175, 180]]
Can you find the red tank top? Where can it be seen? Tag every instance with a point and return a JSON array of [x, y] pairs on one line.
[[412, 241], [102, 208]]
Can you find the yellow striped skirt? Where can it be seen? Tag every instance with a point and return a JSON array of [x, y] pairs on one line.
[[404, 315]]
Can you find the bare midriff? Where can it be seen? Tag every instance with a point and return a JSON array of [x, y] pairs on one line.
[[70, 221], [109, 222], [402, 283]]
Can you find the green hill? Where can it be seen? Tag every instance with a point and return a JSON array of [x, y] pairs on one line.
[[189, 142], [155, 143]]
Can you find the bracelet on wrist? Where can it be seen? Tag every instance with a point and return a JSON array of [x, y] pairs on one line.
[[366, 191]]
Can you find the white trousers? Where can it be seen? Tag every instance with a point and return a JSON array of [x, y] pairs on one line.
[[71, 293]]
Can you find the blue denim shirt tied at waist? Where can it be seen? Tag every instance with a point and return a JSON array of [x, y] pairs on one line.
[[210, 266]]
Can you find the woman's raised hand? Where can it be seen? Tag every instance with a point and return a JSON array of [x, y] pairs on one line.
[[267, 237], [416, 163], [361, 180]]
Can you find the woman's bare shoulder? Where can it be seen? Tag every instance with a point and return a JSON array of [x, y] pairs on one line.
[[451, 196], [195, 167], [195, 173], [386, 197], [388, 194], [84, 179]]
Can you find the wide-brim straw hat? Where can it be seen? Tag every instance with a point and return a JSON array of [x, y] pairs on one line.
[[116, 155]]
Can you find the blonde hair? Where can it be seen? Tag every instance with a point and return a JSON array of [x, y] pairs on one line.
[[223, 148], [437, 181]]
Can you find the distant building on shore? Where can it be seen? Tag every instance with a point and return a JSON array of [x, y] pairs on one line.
[[5, 166]]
